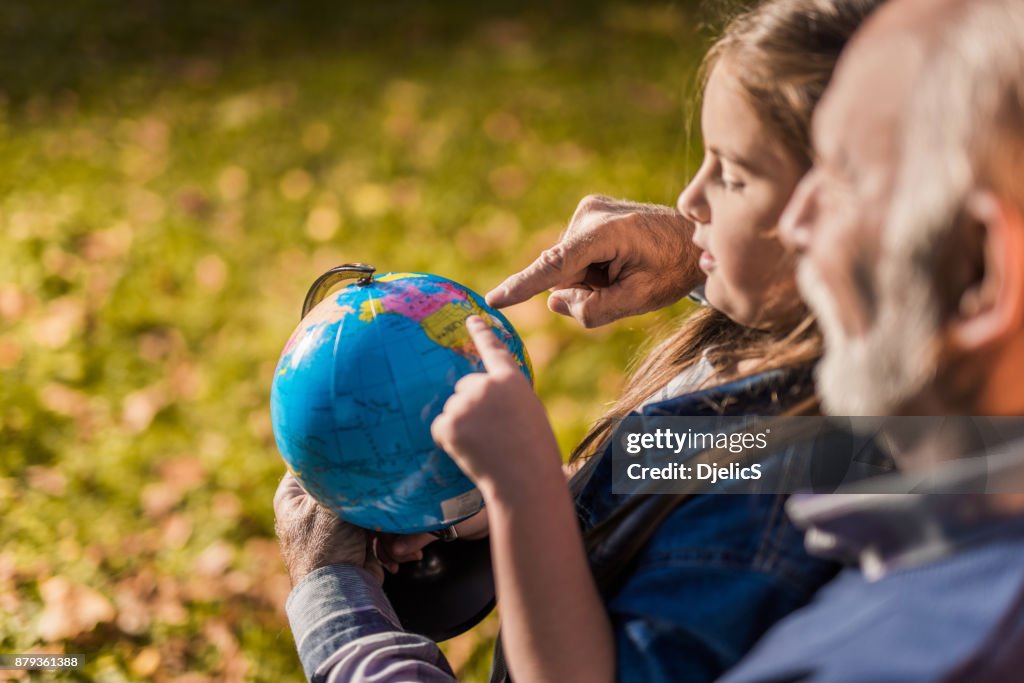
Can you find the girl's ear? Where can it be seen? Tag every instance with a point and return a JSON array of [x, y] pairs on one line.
[[991, 305]]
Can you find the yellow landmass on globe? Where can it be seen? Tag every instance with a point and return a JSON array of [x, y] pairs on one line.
[[396, 276], [447, 327], [369, 309]]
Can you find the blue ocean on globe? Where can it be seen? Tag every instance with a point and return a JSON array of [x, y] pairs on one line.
[[359, 383]]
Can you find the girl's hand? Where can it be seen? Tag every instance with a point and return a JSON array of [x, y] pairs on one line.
[[494, 425]]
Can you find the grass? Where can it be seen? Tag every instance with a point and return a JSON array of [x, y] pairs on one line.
[[175, 175]]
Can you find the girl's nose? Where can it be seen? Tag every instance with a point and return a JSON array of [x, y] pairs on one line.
[[693, 203]]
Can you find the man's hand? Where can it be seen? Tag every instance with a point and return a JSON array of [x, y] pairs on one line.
[[616, 259], [395, 549], [313, 537]]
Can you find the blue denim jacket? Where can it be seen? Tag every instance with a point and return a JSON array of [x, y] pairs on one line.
[[720, 569], [715, 575]]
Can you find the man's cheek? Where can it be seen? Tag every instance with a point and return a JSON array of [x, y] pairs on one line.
[[849, 304], [818, 297]]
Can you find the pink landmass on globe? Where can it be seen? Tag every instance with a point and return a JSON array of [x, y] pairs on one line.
[[415, 304]]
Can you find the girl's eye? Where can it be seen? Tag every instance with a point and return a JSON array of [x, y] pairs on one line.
[[729, 181], [729, 184]]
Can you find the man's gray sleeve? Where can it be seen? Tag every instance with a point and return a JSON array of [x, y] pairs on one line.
[[346, 630]]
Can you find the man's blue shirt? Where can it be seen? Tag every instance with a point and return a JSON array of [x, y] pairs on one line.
[[941, 600]]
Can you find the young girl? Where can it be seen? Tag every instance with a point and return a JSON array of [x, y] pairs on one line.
[[706, 587], [718, 570]]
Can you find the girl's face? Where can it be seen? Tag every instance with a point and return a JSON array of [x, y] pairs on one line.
[[735, 201]]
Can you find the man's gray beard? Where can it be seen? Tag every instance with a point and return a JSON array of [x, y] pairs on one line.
[[873, 374]]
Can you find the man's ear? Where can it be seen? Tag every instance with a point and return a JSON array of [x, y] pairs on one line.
[[991, 305]]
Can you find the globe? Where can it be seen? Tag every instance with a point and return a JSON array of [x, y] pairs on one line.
[[359, 383]]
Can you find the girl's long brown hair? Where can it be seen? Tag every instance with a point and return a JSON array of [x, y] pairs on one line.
[[783, 52]]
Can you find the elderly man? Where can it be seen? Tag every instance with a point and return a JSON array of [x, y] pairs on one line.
[[911, 232]]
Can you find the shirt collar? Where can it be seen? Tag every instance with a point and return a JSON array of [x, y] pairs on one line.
[[883, 527]]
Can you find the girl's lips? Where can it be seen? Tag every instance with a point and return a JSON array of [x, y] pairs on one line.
[[707, 261]]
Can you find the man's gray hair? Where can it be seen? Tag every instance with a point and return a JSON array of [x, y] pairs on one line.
[[965, 131]]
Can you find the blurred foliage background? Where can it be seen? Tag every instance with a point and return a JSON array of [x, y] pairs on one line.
[[175, 174]]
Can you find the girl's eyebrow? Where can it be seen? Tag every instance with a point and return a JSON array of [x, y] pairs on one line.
[[735, 158]]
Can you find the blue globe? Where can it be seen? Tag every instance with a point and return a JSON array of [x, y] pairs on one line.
[[359, 383]]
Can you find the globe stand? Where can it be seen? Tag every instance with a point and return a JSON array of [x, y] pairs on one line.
[[323, 285], [447, 592]]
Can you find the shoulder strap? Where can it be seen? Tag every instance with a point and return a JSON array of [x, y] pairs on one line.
[[614, 543], [499, 672]]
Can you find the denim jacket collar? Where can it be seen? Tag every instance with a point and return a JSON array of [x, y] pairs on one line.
[[770, 392], [766, 393]]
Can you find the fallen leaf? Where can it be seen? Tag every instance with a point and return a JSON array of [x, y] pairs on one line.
[[260, 425], [10, 353], [140, 407], [159, 498], [132, 598], [168, 608], [7, 567], [509, 182], [62, 319], [211, 273], [183, 473], [70, 609], [226, 506], [238, 583], [322, 223], [177, 529], [63, 400], [295, 184], [369, 200], [49, 480], [13, 302], [215, 560], [233, 183], [193, 678], [220, 636], [316, 136], [193, 202], [185, 380], [113, 243], [152, 134], [502, 126], [146, 662]]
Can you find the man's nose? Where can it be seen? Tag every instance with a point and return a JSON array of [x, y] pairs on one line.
[[693, 204], [796, 224]]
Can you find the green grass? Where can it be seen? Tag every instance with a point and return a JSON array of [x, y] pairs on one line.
[[174, 176]]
